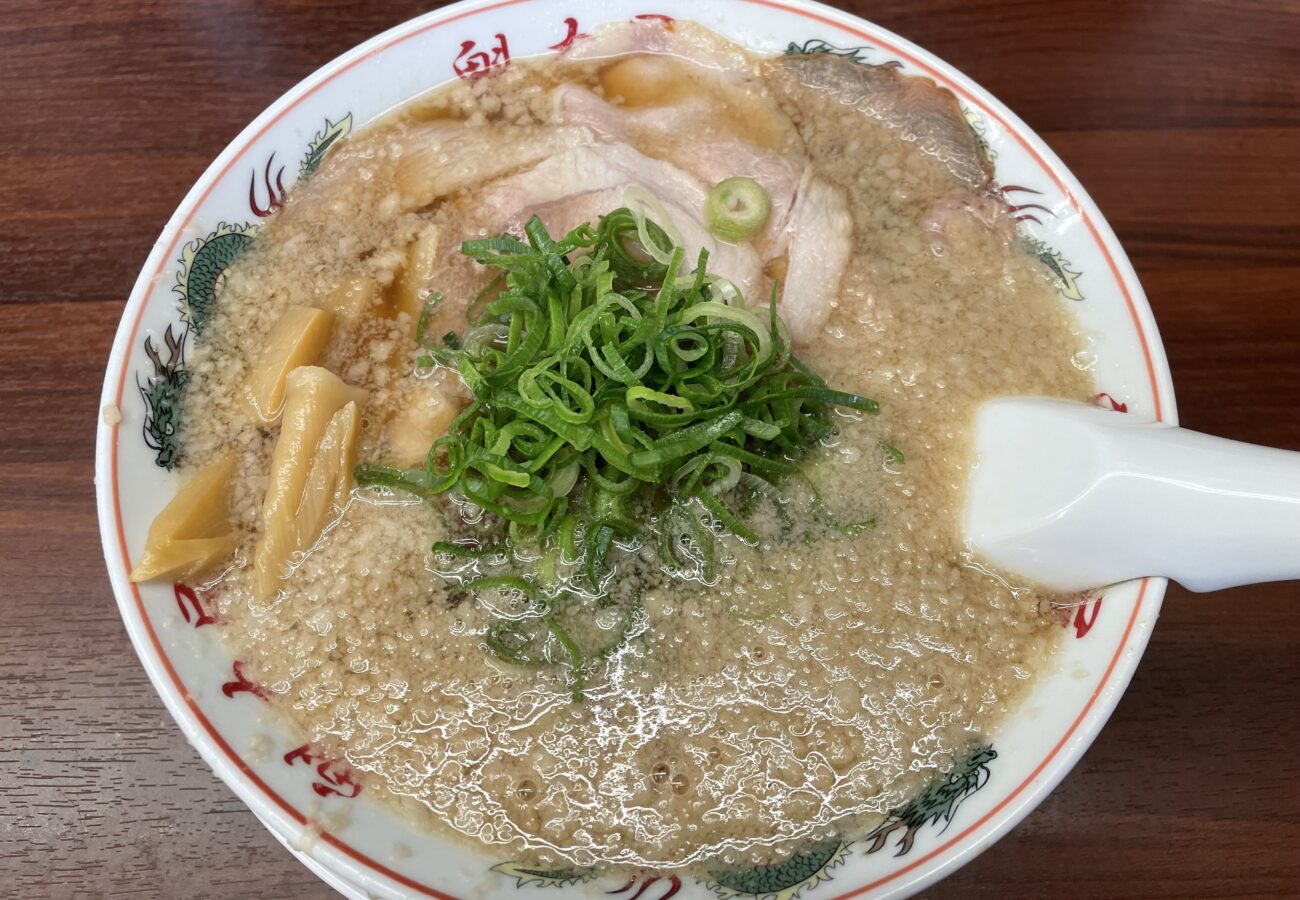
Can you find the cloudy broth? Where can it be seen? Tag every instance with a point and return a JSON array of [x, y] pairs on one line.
[[804, 687]]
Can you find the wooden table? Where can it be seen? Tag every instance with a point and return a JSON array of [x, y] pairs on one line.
[[1183, 120]]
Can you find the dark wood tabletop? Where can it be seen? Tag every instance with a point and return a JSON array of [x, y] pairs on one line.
[[1181, 118]]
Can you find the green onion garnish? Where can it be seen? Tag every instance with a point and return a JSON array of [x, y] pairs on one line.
[[617, 397], [737, 207]]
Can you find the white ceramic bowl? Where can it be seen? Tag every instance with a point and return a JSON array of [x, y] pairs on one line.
[[353, 842]]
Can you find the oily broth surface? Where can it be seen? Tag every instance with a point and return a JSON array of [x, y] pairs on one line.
[[811, 689]]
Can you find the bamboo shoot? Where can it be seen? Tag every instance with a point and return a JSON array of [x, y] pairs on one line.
[[312, 398], [411, 288], [298, 338], [192, 533]]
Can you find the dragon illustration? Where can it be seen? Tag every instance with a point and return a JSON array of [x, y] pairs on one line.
[[544, 877], [939, 801], [782, 881], [321, 144], [203, 262], [1066, 279], [162, 398], [206, 259], [979, 128], [854, 54], [785, 880]]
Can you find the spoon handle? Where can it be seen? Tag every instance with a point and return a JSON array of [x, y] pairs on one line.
[[1074, 497]]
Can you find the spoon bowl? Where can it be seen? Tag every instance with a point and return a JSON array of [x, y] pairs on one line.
[[1074, 497]]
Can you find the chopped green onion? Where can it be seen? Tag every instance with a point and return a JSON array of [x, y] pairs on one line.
[[411, 481], [737, 207], [575, 655], [611, 388]]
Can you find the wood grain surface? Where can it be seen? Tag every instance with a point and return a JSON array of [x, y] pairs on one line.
[[1181, 118]]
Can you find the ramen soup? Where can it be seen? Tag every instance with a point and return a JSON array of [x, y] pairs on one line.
[[577, 456]]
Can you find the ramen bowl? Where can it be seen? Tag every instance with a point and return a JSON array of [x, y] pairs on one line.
[[313, 804]]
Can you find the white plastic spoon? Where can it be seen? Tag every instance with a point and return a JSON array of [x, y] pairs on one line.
[[1073, 497]]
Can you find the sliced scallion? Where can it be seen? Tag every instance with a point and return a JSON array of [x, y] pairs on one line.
[[737, 207], [612, 388]]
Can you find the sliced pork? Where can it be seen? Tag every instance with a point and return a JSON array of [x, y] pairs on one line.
[[821, 238], [684, 40], [442, 157], [687, 135], [926, 114], [583, 183]]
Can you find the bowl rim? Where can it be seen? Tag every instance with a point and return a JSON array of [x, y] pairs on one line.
[[288, 823]]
